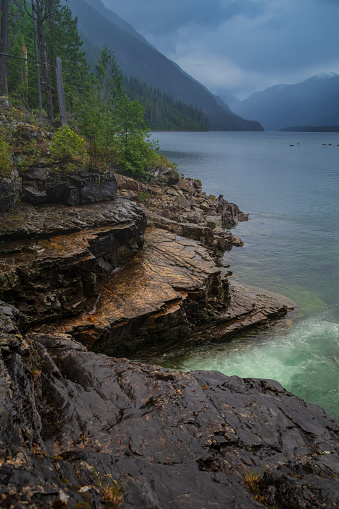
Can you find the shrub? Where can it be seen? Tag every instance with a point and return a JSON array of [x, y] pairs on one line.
[[142, 196], [112, 490], [67, 146], [5, 159]]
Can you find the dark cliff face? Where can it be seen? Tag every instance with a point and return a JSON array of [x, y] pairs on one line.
[[74, 421]]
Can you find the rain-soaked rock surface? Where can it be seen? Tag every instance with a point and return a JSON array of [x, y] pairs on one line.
[[82, 428], [42, 185], [179, 205], [53, 258], [171, 292]]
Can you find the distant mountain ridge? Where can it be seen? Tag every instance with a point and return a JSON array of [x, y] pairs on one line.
[[99, 26], [314, 102]]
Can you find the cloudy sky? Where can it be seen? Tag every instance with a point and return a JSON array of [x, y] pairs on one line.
[[240, 46]]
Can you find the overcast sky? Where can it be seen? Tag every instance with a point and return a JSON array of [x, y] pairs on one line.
[[240, 46]]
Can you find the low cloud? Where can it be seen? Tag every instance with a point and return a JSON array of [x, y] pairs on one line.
[[240, 45]]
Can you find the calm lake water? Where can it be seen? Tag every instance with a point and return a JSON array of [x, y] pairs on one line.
[[289, 184]]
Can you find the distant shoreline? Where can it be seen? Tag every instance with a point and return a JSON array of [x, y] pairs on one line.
[[312, 129]]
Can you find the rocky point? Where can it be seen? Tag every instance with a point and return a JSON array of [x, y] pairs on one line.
[[83, 285]]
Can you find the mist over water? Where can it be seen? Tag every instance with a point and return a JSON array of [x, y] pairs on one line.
[[289, 184]]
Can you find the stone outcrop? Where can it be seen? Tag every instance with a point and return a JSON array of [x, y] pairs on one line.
[[179, 205], [169, 294], [41, 185], [10, 191], [53, 258], [83, 430]]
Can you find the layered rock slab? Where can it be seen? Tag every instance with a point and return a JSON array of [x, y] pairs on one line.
[[53, 258], [180, 206], [171, 292], [182, 440]]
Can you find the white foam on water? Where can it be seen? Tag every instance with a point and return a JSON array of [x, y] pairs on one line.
[[305, 360]]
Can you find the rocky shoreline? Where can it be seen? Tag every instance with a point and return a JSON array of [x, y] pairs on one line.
[[85, 284]]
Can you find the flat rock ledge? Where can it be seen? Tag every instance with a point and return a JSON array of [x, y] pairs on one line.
[[73, 423], [171, 293]]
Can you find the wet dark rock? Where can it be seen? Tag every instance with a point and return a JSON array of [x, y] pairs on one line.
[[181, 207], [170, 294], [230, 212], [57, 256], [7, 195], [42, 185], [74, 423], [10, 186], [182, 440], [63, 193], [9, 318], [96, 188], [34, 196], [166, 177]]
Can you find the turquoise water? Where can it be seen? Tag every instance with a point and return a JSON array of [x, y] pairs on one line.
[[289, 184]]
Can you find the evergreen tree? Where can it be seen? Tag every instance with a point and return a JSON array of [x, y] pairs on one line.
[[63, 40], [43, 10], [162, 112], [4, 46]]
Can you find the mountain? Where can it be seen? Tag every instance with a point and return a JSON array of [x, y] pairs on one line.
[[136, 57], [314, 102]]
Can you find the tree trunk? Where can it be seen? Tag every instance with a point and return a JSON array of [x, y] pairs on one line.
[[44, 66], [3, 47], [37, 63]]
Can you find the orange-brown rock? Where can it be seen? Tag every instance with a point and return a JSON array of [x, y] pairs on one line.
[[52, 258], [171, 292]]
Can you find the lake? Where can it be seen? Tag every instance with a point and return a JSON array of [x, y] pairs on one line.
[[289, 185]]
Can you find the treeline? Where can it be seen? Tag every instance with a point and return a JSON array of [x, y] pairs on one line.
[[162, 112], [57, 35], [97, 106]]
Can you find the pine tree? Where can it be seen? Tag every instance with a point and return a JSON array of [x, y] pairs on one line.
[[4, 46]]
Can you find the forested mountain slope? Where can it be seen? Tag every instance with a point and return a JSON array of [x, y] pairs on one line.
[[137, 58]]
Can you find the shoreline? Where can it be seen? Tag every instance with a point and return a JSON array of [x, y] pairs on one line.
[[78, 423]]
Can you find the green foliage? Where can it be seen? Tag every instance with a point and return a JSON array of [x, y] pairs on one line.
[[5, 159], [162, 112], [136, 149], [63, 40], [142, 197], [114, 124], [67, 146], [162, 162], [96, 114], [109, 75]]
